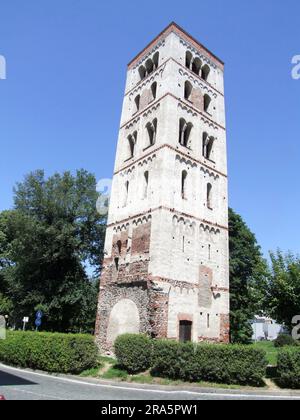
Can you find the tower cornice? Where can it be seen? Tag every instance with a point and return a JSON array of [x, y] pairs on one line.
[[172, 211], [173, 27], [202, 114], [175, 150]]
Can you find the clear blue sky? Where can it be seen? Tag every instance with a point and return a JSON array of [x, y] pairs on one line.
[[66, 62]]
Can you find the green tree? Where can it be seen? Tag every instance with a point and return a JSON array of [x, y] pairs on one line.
[[5, 302], [53, 232], [283, 287], [248, 272], [6, 305]]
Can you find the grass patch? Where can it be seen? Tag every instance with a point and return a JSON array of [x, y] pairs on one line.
[[142, 379], [105, 364], [146, 378], [226, 386], [270, 349], [115, 373], [91, 373], [106, 359]]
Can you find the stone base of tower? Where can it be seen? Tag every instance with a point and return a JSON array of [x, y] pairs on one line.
[[225, 329], [132, 300], [146, 307], [130, 308]]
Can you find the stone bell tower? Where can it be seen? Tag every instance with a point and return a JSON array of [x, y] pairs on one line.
[[166, 252]]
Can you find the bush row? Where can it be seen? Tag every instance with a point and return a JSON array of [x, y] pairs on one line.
[[285, 340], [228, 364], [288, 367], [134, 352], [61, 353]]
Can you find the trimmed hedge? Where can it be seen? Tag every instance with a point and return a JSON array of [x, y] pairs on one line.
[[285, 340], [227, 364], [288, 367], [60, 353], [134, 352]]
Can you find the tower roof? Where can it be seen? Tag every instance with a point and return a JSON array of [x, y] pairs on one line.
[[173, 27]]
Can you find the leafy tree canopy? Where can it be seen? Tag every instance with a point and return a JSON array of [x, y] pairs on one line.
[[282, 292], [45, 243], [248, 271]]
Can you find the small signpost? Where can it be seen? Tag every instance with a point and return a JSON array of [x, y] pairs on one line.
[[25, 321], [39, 314], [38, 321]]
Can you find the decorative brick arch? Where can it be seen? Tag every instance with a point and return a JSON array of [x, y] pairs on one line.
[[124, 318]]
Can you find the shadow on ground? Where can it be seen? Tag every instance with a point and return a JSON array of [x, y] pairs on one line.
[[272, 372], [7, 379]]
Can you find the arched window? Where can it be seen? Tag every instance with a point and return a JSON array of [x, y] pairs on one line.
[[209, 196], [205, 72], [183, 184], [152, 130], [149, 66], [196, 67], [146, 184], [184, 132], [119, 247], [207, 101], [188, 59], [156, 60], [117, 263], [132, 138], [188, 88], [131, 146], [154, 90], [126, 192], [137, 101], [204, 142], [207, 146], [142, 72]]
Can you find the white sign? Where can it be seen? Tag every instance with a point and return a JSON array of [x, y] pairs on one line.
[[2, 328], [25, 319]]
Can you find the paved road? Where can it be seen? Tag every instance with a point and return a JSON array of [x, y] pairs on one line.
[[18, 384]]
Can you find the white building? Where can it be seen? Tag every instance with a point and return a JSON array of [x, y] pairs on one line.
[[266, 329]]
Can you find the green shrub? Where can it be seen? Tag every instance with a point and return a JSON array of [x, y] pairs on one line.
[[289, 367], [134, 352], [227, 364], [61, 353], [285, 340]]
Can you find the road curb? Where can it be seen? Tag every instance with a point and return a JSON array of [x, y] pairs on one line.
[[165, 389]]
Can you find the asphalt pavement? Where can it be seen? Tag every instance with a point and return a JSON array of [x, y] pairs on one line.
[[17, 384]]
